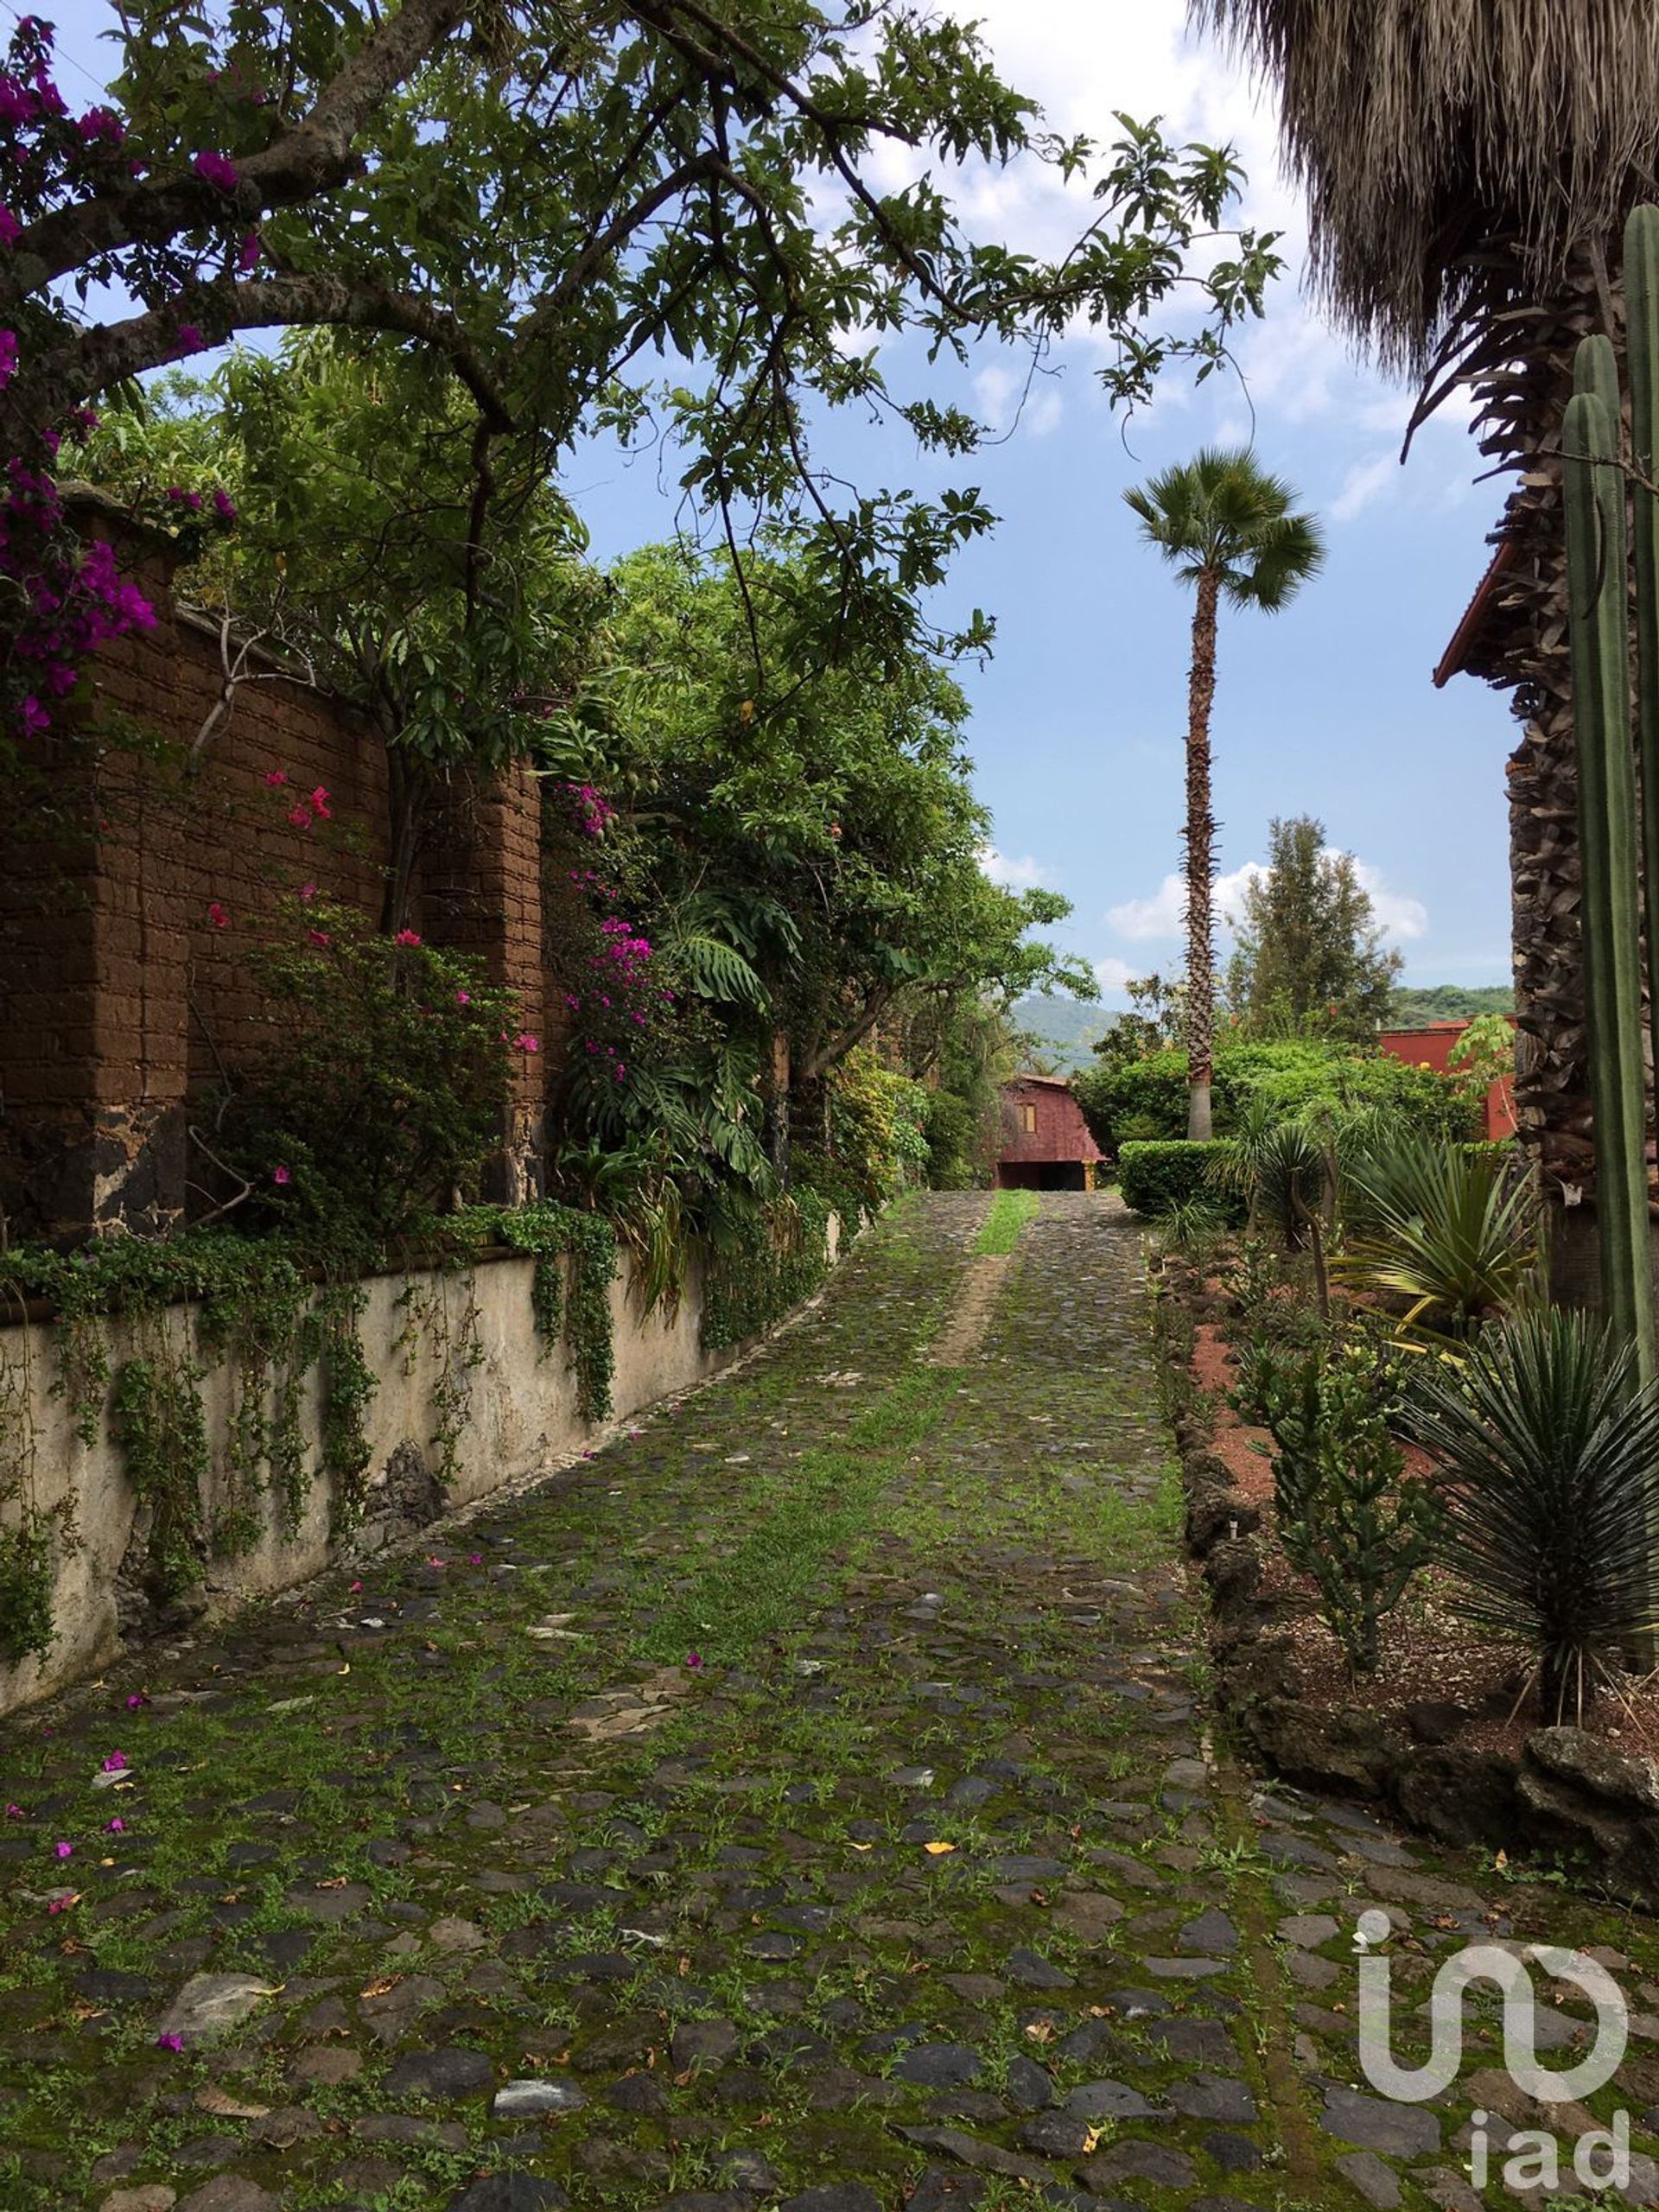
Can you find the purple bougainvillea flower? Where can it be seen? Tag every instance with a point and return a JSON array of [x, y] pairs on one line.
[[694, 1660], [190, 341], [224, 506], [118, 1826], [116, 1762], [248, 254], [216, 169], [281, 1175], [169, 2042], [64, 1850], [137, 1701], [15, 1812]]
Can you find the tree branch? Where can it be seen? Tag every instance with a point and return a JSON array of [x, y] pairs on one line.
[[105, 356], [315, 156]]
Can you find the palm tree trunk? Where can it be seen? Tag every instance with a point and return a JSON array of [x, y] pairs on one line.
[[1200, 841], [1524, 650]]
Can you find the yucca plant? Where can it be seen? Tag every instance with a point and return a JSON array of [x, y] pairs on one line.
[[1447, 1228], [1550, 1456]]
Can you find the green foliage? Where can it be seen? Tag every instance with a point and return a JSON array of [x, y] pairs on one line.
[[1157, 1179], [1222, 515], [1287, 1076], [159, 1427], [1346, 1514], [1413, 1005], [379, 1081], [1451, 1230], [564, 1239], [878, 1129], [767, 1260], [26, 1622], [348, 1384], [1309, 958], [1482, 1056], [1549, 1451], [955, 1148]]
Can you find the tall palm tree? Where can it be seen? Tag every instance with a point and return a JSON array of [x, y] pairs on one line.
[[1468, 168], [1228, 529]]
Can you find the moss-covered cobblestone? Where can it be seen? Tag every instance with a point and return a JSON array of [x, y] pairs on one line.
[[809, 1800]]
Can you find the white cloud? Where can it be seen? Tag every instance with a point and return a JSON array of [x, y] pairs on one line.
[[1114, 975], [1023, 873], [1159, 919], [1159, 916], [1008, 401], [1366, 482], [1397, 914]]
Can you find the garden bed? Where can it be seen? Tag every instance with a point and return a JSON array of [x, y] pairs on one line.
[[1446, 1732]]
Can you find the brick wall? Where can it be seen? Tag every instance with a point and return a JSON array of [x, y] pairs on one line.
[[121, 997]]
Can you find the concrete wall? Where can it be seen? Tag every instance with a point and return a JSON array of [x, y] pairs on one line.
[[521, 1419]]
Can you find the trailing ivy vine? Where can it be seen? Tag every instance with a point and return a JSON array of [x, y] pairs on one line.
[[26, 1624], [562, 1238], [348, 1384], [161, 1427], [765, 1263]]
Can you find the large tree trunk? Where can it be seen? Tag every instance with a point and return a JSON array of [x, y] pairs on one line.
[[1200, 842], [1523, 648]]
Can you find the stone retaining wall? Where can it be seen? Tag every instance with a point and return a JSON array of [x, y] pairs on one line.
[[520, 1419], [1569, 1796]]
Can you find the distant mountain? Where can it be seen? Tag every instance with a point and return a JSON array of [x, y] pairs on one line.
[[1414, 1008], [1065, 1029]]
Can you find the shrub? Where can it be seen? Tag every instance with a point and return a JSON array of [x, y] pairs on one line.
[[380, 1084], [877, 1129], [956, 1142], [1550, 1453], [1147, 1098], [1161, 1178], [1450, 1229], [1348, 1516]]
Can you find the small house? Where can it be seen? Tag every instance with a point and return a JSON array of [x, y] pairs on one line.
[[1045, 1143]]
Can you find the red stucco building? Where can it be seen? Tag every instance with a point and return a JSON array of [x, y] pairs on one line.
[[1431, 1047], [1045, 1143]]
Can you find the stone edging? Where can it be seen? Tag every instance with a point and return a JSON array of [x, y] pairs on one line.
[[1568, 1795]]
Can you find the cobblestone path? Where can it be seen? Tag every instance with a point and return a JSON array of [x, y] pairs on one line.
[[461, 1885]]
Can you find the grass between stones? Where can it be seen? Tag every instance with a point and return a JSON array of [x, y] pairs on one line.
[[1010, 1211]]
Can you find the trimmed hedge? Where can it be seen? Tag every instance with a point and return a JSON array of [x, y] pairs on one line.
[[1133, 1100], [1156, 1178]]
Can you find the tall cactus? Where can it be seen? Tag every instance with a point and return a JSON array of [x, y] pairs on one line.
[[1598, 623], [1642, 344]]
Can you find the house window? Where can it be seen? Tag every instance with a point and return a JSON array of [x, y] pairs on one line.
[[1029, 1120]]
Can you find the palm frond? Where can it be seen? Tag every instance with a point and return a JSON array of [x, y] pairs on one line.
[[1424, 131]]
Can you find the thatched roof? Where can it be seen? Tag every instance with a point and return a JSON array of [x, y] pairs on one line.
[[1430, 134]]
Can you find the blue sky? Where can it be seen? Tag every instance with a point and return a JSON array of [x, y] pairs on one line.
[[1327, 709]]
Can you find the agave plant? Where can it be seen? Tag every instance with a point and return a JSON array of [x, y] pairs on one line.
[[1550, 1453], [1449, 1229]]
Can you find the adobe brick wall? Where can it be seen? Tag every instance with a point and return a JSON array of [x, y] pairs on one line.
[[121, 1000]]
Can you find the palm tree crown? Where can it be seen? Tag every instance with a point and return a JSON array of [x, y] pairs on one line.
[[1424, 133], [1221, 516], [1228, 529]]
